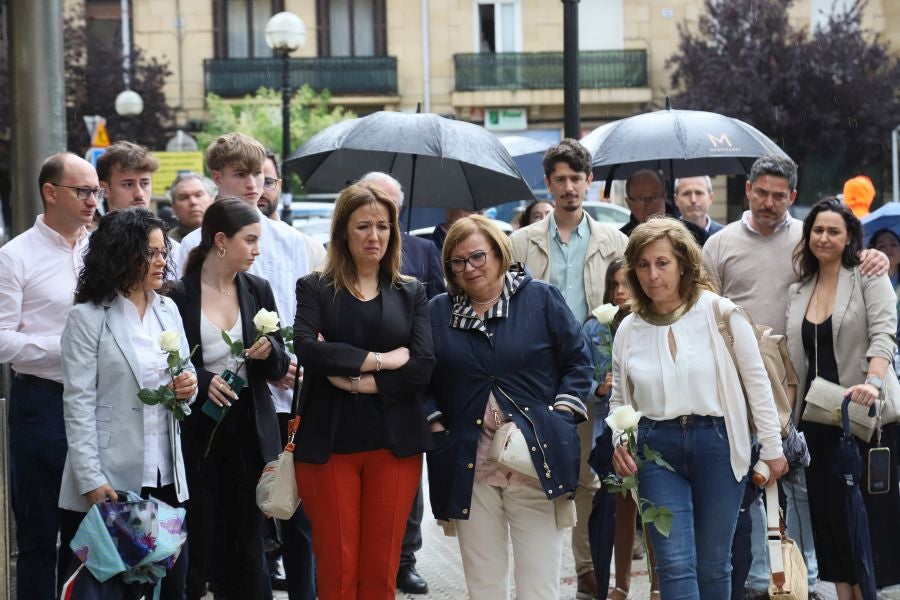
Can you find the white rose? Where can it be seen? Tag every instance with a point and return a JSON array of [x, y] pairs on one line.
[[623, 418], [169, 341], [606, 313], [266, 321]]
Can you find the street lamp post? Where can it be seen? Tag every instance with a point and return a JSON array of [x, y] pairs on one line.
[[285, 32]]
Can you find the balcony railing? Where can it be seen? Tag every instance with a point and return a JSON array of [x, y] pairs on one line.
[[598, 69], [341, 75]]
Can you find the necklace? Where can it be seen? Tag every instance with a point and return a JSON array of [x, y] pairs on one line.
[[487, 302], [209, 285], [668, 318]]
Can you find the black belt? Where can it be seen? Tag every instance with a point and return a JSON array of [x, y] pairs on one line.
[[684, 421], [34, 380]]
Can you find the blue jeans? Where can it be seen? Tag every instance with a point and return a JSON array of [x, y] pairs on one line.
[[799, 525], [694, 562], [37, 449]]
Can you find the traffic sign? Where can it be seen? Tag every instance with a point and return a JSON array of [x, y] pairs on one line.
[[93, 154]]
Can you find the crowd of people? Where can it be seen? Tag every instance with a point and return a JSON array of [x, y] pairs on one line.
[[497, 359]]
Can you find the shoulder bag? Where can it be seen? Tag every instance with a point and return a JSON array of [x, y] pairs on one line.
[[788, 580], [276, 491]]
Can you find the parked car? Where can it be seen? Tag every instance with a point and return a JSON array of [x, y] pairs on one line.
[[607, 212]]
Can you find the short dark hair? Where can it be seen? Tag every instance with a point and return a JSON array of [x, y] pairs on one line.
[[227, 215], [880, 233], [609, 280], [116, 258], [806, 265], [127, 157], [776, 166], [53, 169], [525, 219], [274, 158], [644, 174], [571, 152]]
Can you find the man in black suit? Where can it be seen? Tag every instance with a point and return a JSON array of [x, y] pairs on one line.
[[420, 259]]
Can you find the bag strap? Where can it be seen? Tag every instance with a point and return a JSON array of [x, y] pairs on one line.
[[775, 536], [296, 408], [725, 331]]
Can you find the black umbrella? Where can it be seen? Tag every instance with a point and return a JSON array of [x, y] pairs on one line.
[[529, 157], [676, 143], [439, 162], [848, 467]]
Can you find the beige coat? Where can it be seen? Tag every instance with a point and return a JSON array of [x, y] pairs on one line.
[[531, 245], [863, 326]]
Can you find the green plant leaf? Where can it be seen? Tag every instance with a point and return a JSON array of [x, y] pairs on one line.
[[227, 338], [649, 515], [148, 397], [663, 521], [656, 458], [166, 394], [173, 360]]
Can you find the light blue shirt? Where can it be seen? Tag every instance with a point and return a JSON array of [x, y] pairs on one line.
[[567, 266]]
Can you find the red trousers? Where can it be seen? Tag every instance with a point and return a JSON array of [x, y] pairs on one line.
[[358, 505]]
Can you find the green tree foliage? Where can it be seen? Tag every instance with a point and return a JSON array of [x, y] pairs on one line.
[[94, 79], [829, 97], [259, 116]]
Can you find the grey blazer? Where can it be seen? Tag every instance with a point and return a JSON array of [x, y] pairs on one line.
[[104, 418], [863, 325]]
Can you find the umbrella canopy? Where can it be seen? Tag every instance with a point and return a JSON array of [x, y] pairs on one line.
[[848, 466], [886, 217], [528, 154], [439, 162], [676, 143]]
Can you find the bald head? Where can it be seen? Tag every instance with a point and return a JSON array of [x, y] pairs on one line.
[[386, 184]]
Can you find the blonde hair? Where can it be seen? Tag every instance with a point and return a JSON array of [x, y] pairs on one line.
[[694, 277], [462, 229], [235, 150], [339, 265]]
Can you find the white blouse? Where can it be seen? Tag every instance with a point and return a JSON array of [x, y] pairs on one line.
[[666, 388], [152, 367], [216, 353]]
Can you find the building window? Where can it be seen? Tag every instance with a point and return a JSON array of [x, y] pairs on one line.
[[601, 25], [351, 27], [498, 26], [240, 27]]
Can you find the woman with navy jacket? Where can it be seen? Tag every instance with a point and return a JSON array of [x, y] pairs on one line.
[[507, 349]]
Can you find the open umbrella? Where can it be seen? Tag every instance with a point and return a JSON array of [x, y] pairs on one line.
[[848, 467], [439, 162], [528, 154], [676, 143], [886, 217]]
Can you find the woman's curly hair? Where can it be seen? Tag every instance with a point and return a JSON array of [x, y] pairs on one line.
[[116, 258]]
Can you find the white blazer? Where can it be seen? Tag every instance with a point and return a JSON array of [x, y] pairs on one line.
[[103, 415]]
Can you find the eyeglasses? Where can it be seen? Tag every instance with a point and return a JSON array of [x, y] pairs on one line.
[[83, 193], [477, 259], [646, 199], [269, 183], [154, 254]]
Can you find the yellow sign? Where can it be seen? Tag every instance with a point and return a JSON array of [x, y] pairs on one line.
[[101, 138], [171, 164]]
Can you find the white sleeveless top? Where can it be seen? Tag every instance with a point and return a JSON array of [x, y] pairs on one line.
[[216, 354]]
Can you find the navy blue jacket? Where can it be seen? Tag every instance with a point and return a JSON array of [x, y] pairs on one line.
[[423, 261], [535, 358]]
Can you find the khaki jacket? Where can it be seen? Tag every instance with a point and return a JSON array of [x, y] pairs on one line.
[[531, 245]]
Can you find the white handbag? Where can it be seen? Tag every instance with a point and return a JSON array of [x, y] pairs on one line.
[[276, 491]]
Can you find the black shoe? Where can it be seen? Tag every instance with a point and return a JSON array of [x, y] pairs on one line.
[[410, 582]]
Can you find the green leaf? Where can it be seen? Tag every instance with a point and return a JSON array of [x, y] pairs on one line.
[[237, 349], [167, 395], [148, 397], [656, 458], [663, 521], [649, 514], [227, 338], [173, 360]]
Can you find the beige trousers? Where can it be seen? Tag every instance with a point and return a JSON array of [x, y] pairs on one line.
[[588, 484], [497, 515]]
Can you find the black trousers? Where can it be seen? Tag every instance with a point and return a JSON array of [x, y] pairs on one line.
[[224, 524]]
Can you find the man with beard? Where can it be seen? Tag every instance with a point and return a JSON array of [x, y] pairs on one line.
[[270, 199], [572, 251]]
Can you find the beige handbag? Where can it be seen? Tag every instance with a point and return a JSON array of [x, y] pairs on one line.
[[788, 579], [510, 449], [823, 405], [276, 491]]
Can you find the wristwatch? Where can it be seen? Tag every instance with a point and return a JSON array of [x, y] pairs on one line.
[[876, 381]]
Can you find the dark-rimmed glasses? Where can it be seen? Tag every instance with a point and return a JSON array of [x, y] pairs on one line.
[[83, 193], [476, 259]]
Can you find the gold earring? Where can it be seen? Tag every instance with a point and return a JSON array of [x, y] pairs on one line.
[[221, 252]]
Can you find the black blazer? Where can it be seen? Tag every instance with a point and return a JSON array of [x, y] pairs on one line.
[[404, 322], [421, 260], [253, 293]]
